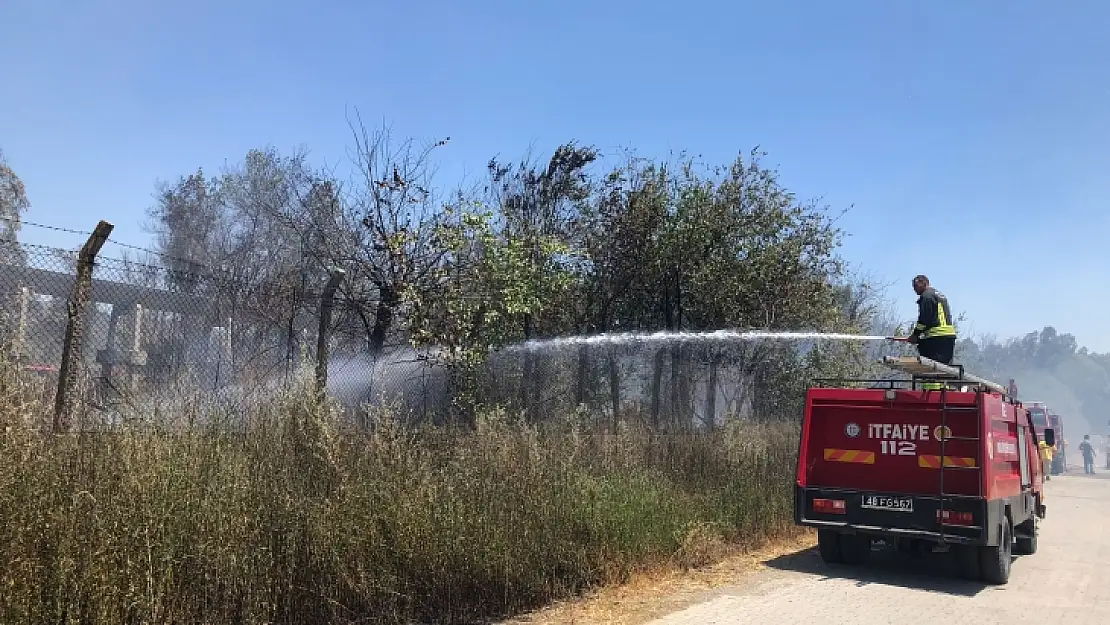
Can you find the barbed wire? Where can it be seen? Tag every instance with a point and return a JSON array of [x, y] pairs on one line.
[[23, 222], [202, 275], [163, 255], [138, 248], [36, 246]]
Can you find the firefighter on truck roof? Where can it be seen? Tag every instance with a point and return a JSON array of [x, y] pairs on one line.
[[934, 334]]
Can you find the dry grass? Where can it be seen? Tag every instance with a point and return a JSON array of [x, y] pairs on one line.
[[292, 520], [657, 592]]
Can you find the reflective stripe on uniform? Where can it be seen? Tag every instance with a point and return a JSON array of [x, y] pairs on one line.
[[943, 328]]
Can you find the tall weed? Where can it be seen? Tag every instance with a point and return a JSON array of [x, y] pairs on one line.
[[292, 519]]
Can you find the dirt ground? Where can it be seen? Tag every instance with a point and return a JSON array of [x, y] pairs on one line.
[[788, 583], [653, 595]]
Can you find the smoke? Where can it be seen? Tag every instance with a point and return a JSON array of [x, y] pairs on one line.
[[1070, 381], [403, 379], [1061, 398]]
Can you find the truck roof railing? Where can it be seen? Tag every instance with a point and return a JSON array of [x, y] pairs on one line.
[[922, 367]]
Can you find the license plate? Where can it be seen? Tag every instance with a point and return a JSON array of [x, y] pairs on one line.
[[885, 502]]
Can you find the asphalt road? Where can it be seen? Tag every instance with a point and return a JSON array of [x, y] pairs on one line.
[[1063, 582]]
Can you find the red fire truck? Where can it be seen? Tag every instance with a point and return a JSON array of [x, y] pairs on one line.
[[1060, 449], [1044, 418], [953, 469]]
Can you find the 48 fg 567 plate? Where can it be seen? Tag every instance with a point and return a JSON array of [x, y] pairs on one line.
[[887, 502]]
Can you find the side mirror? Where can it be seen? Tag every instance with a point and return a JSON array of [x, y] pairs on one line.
[[1050, 437]]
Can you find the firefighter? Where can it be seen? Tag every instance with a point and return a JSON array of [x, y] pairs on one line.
[[1046, 458], [934, 334]]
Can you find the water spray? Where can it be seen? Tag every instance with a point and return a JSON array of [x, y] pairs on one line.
[[719, 336]]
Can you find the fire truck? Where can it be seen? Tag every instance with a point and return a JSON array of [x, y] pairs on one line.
[[1044, 418], [1060, 450], [948, 469]]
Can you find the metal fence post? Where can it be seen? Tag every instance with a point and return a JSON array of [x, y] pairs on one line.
[[22, 352], [72, 348], [323, 335]]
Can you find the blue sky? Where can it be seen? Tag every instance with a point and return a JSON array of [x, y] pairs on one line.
[[969, 138]]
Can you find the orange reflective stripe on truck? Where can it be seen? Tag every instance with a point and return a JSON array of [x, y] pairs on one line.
[[855, 456], [933, 462]]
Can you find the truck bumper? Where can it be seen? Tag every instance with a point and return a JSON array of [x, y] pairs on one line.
[[920, 523]]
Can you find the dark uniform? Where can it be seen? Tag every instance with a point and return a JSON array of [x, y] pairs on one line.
[[936, 336]]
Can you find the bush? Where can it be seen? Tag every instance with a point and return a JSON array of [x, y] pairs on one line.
[[293, 520]]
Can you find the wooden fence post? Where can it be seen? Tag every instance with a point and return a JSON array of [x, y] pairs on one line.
[[73, 347], [323, 335]]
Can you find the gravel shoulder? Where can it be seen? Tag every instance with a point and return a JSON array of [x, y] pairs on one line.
[[788, 582]]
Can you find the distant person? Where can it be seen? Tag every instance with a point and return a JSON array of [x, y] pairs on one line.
[[1013, 390], [934, 334], [1088, 451], [1046, 458]]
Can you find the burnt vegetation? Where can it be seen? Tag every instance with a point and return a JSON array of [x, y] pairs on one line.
[[572, 243]]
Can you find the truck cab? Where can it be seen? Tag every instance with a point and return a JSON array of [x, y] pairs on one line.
[[1039, 412], [949, 468], [1043, 419], [1060, 451]]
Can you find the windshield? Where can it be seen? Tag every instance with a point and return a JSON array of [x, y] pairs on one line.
[[1039, 419]]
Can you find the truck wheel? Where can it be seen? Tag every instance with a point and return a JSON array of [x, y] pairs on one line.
[[994, 562], [967, 562], [1027, 545], [828, 545], [855, 548]]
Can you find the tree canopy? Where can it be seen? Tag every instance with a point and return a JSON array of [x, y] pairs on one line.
[[1048, 366]]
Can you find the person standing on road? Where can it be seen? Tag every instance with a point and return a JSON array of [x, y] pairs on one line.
[[934, 334], [1088, 451], [1046, 458]]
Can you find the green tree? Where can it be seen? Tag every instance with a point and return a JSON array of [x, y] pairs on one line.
[[13, 204], [487, 283], [537, 207]]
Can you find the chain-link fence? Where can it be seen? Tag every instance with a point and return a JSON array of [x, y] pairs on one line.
[[681, 384], [104, 340], [125, 339], [171, 341]]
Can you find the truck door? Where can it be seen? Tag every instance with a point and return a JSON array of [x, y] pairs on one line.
[[1026, 476]]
